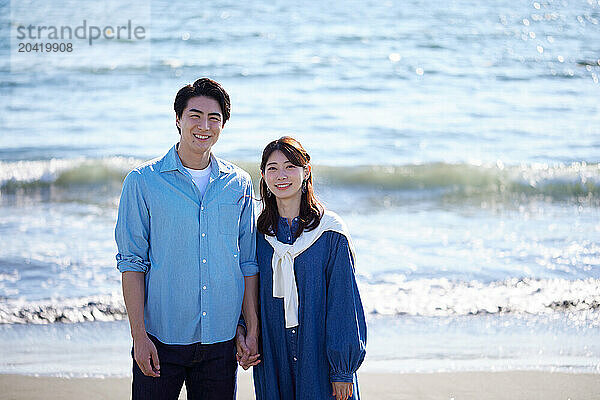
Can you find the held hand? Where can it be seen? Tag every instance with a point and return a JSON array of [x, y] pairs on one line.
[[247, 349], [252, 344], [240, 343], [253, 358], [342, 390], [146, 356]]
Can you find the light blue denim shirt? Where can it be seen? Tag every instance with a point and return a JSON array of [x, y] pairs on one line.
[[194, 251]]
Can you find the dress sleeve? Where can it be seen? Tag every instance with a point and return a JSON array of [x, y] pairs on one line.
[[133, 227], [346, 329]]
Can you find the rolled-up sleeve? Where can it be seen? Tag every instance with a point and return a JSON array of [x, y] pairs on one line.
[[346, 329], [132, 231], [247, 234]]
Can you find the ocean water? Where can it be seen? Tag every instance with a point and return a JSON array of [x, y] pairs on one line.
[[459, 140]]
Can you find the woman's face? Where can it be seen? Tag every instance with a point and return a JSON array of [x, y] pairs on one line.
[[283, 178]]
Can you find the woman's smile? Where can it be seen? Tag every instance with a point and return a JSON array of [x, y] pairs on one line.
[[283, 186]]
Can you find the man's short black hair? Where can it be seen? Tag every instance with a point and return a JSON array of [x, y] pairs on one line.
[[202, 87]]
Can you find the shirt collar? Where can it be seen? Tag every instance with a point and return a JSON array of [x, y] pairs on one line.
[[172, 162]]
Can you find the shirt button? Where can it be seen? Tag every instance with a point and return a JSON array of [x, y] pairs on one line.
[[204, 287], [235, 255], [289, 238], [293, 331], [295, 359], [203, 234], [201, 208], [204, 313], [204, 261]]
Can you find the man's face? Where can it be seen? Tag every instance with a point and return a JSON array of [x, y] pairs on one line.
[[200, 124]]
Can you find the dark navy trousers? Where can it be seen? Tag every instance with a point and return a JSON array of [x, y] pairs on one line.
[[208, 370]]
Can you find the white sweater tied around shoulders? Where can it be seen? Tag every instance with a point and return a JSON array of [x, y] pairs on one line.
[[284, 280]]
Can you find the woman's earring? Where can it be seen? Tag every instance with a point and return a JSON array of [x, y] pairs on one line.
[[269, 193], [304, 187]]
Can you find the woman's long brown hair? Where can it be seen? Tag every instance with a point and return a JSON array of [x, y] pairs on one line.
[[311, 209]]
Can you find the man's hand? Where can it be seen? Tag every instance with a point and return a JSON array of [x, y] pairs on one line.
[[342, 390], [247, 348], [146, 356]]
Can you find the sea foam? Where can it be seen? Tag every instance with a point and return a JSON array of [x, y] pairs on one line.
[[391, 295]]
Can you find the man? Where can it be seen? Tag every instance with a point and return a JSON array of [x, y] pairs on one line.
[[186, 249]]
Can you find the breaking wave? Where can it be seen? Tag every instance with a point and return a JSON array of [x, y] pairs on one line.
[[95, 308], [391, 296], [394, 295], [554, 181]]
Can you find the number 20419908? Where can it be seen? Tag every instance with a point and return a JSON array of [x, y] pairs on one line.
[[45, 47]]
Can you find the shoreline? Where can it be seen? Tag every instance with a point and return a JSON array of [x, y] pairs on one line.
[[514, 385]]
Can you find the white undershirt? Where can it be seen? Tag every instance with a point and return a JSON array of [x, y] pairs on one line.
[[200, 178]]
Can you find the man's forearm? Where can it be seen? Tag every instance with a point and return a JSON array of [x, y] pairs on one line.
[[133, 293], [250, 304]]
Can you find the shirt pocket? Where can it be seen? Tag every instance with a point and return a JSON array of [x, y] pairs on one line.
[[229, 219]]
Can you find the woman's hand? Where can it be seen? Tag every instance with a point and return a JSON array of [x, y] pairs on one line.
[[342, 390]]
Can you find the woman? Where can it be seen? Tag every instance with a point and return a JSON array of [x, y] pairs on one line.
[[312, 322]]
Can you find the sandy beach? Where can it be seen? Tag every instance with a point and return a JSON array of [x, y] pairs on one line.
[[514, 385]]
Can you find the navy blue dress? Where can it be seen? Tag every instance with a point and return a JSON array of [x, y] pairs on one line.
[[329, 343]]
